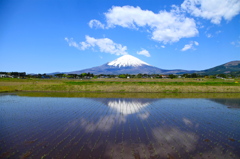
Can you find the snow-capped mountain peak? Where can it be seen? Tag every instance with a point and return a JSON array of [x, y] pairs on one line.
[[128, 64], [127, 61]]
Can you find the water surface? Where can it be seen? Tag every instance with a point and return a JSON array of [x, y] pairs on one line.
[[58, 127]]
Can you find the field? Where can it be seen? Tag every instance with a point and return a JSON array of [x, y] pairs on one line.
[[119, 118], [122, 85]]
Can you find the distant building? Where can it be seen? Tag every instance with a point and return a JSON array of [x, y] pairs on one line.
[[2, 75], [165, 76]]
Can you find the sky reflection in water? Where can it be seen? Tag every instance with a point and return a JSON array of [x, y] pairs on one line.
[[119, 127]]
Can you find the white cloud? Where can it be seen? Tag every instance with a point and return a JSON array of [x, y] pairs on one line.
[[164, 26], [214, 10], [187, 47], [105, 45], [190, 46], [72, 43], [236, 43], [218, 32], [209, 35], [144, 52], [158, 47], [196, 43], [95, 23]]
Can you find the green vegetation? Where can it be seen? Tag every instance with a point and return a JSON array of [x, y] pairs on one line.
[[178, 85], [90, 75]]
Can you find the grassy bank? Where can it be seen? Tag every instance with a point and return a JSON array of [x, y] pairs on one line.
[[122, 85], [128, 95]]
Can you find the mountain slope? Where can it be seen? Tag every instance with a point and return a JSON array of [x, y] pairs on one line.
[[232, 67], [128, 64], [106, 69]]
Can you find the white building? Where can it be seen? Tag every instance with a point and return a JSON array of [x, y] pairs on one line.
[[2, 75]]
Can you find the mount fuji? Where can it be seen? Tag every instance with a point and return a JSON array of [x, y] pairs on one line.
[[128, 64]]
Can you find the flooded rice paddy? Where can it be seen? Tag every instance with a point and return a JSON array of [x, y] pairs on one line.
[[54, 127]]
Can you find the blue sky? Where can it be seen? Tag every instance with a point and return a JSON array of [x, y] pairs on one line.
[[44, 36]]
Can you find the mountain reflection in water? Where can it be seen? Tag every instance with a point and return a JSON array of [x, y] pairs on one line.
[[118, 128], [117, 106], [126, 106]]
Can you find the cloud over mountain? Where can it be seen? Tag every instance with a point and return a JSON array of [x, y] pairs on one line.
[[144, 52], [169, 26], [105, 45], [164, 26]]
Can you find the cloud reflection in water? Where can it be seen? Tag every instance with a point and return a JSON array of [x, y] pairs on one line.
[[173, 130]]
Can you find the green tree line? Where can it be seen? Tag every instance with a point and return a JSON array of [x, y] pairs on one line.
[[91, 75]]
